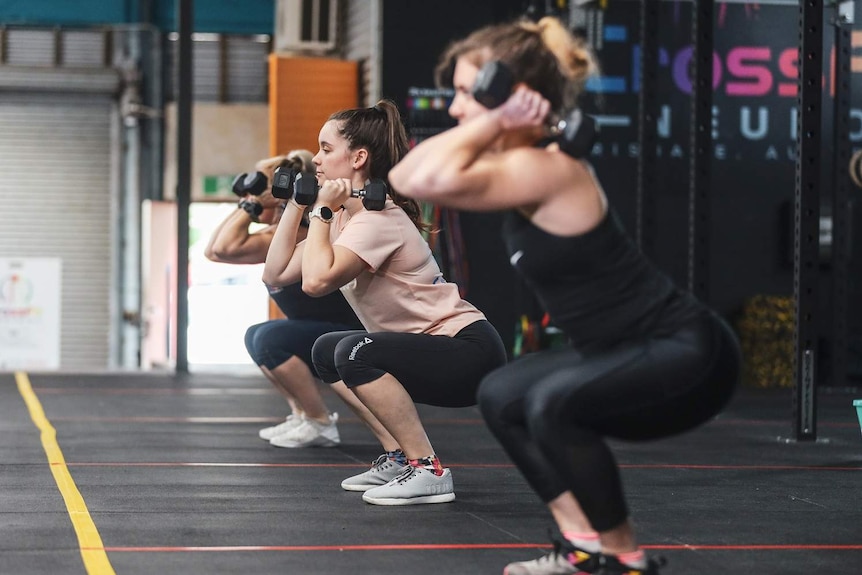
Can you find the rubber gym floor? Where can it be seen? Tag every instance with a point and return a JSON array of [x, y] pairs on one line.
[[164, 474]]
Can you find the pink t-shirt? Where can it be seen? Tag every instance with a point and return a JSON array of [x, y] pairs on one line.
[[404, 289]]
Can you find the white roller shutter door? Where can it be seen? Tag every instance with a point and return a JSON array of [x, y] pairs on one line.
[[58, 169]]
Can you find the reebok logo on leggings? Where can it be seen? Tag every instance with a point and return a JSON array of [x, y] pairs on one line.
[[357, 346]]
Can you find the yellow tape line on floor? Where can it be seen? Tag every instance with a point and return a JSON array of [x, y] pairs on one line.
[[92, 550]]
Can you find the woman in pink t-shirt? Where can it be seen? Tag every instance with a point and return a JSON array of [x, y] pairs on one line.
[[424, 343]]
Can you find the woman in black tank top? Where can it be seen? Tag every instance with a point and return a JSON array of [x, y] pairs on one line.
[[282, 347], [646, 360]]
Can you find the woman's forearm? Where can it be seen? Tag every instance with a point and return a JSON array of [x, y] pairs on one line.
[[317, 267], [277, 269]]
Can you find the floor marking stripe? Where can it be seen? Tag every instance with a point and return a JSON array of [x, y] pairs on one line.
[[435, 421], [384, 547], [466, 465], [741, 467], [92, 551], [469, 546], [802, 547], [154, 391], [253, 419], [288, 465], [147, 419]]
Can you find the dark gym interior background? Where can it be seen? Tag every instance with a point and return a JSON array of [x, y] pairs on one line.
[[754, 128]]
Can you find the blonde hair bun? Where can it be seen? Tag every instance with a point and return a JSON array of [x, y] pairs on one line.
[[574, 56], [304, 156]]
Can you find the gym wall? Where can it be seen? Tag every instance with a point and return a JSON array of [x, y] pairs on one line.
[[228, 139]]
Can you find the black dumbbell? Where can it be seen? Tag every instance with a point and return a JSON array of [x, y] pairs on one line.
[[249, 184], [576, 133], [373, 194], [305, 189], [282, 183], [493, 84]]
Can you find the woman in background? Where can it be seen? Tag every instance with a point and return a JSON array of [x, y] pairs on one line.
[[282, 347], [646, 359]]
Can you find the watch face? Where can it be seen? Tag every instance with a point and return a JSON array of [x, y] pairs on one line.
[[322, 212]]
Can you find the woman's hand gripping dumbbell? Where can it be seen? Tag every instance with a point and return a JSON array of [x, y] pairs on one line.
[[305, 189], [255, 199]]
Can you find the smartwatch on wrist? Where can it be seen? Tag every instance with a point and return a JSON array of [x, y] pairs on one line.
[[321, 212]]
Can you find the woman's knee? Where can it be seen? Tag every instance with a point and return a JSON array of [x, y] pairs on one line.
[[324, 353], [323, 349], [250, 335], [252, 342]]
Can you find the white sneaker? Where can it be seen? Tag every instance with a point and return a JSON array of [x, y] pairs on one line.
[[415, 485], [382, 471], [310, 433], [292, 421]]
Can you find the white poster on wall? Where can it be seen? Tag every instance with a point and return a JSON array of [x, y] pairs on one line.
[[30, 313]]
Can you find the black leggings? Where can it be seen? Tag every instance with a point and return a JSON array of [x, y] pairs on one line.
[[551, 410], [434, 369]]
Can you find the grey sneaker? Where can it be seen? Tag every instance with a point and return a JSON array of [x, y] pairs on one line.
[[268, 433], [383, 470], [310, 433], [564, 559], [414, 486]]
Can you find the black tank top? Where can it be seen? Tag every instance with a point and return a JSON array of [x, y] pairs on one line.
[[296, 304], [597, 287]]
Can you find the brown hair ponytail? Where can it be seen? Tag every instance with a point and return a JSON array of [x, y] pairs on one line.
[[379, 130]]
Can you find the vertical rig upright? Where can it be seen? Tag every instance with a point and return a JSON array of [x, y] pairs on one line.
[[700, 162], [647, 128], [840, 252], [184, 95], [806, 259]]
